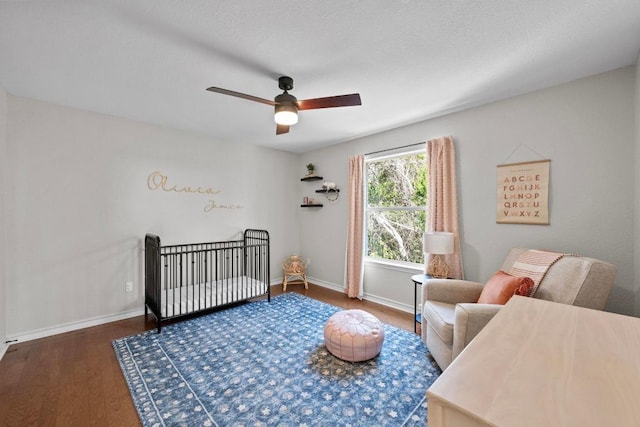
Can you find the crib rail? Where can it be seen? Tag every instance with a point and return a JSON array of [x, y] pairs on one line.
[[185, 279], [151, 274]]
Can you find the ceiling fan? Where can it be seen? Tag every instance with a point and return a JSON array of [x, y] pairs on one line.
[[287, 106]]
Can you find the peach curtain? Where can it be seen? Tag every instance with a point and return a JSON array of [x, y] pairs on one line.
[[355, 248], [442, 204]]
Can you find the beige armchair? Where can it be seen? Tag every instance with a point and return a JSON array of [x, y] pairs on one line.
[[451, 317]]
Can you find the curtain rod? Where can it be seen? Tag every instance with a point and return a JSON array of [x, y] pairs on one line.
[[395, 148]]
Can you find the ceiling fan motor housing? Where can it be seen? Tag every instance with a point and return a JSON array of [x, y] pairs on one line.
[[286, 99], [285, 83]]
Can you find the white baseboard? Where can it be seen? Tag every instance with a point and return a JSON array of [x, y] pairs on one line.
[[369, 297], [68, 327], [324, 284], [87, 323], [73, 326], [389, 303], [3, 348]]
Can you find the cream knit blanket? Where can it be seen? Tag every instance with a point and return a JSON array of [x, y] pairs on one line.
[[534, 264]]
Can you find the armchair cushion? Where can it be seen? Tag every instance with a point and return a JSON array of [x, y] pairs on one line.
[[453, 326], [502, 286], [440, 316]]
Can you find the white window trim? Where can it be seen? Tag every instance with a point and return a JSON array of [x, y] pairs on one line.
[[401, 266], [383, 155]]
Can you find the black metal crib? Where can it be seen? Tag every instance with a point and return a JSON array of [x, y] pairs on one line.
[[198, 278]]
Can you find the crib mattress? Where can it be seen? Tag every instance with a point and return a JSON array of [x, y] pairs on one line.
[[192, 298]]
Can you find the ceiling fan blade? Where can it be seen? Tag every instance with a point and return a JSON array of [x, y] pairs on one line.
[[280, 129], [330, 102], [241, 95]]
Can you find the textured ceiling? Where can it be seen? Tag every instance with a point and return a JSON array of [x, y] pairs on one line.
[[151, 60]]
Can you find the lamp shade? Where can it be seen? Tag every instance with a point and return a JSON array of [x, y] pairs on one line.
[[438, 243]]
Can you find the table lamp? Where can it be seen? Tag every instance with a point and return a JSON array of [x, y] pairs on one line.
[[438, 243]]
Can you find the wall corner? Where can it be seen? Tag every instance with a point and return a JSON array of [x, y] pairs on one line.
[[636, 245], [3, 227]]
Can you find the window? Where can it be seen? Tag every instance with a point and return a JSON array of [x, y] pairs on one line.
[[395, 206]]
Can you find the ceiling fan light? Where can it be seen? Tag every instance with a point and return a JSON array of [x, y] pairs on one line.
[[286, 115]]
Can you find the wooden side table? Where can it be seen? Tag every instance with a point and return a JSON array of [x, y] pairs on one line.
[[418, 280]]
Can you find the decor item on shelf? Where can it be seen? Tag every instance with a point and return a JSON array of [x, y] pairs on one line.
[[438, 243], [328, 185], [310, 169], [330, 195], [329, 190], [309, 202]]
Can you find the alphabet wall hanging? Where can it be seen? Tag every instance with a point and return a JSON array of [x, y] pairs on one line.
[[523, 193]]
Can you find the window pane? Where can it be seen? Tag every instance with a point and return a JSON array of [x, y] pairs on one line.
[[396, 235], [398, 181], [395, 209]]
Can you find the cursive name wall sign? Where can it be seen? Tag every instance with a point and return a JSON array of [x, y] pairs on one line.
[[159, 181]]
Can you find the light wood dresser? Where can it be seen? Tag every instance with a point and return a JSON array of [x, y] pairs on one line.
[[539, 363]]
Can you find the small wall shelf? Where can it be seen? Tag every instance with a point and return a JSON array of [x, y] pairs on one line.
[[330, 194]]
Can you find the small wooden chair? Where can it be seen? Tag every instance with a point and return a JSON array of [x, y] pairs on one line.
[[294, 267]]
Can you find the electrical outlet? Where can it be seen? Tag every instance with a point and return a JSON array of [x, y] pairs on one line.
[[128, 287], [308, 262]]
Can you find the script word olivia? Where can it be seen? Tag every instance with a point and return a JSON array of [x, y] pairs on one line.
[[158, 181]]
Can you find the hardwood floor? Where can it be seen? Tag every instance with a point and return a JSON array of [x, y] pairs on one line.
[[74, 379]]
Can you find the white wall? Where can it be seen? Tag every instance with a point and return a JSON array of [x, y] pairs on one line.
[[585, 127], [76, 204], [78, 207], [3, 170]]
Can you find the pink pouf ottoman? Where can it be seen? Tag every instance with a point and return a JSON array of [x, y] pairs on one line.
[[354, 335]]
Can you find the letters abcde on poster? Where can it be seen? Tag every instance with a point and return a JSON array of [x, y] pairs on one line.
[[523, 193]]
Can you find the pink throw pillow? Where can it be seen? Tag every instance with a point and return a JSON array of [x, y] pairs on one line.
[[502, 286]]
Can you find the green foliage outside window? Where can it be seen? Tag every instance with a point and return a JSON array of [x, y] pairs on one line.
[[396, 207]]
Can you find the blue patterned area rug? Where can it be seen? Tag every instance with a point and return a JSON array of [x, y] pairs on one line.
[[265, 364]]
